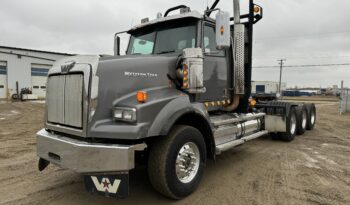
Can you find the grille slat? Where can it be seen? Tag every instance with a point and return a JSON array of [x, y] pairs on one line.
[[73, 100], [55, 99], [65, 100]]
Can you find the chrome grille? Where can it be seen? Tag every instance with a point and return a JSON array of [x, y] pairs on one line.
[[65, 100]]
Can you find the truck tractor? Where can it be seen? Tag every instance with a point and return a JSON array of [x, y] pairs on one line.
[[177, 98]]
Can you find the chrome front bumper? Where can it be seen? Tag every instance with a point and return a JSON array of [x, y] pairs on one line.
[[84, 157]]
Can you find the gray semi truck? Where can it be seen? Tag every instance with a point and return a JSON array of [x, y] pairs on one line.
[[179, 97]]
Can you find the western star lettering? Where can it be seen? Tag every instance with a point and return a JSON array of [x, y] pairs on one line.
[[143, 75]]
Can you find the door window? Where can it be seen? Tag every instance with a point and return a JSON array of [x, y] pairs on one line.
[[209, 42]]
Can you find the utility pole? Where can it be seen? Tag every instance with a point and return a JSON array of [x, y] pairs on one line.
[[342, 94], [281, 62]]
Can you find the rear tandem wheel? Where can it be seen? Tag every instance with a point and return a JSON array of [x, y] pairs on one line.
[[301, 119], [291, 126]]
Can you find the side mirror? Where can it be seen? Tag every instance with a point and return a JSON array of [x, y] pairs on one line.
[[223, 37], [117, 45]]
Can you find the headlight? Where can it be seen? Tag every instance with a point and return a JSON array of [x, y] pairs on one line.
[[124, 114]]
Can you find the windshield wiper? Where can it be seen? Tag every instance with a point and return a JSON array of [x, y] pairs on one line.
[[163, 52]]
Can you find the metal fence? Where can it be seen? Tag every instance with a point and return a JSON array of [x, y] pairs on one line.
[[344, 101]]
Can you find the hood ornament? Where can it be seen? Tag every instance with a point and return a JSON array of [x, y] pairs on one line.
[[65, 68]]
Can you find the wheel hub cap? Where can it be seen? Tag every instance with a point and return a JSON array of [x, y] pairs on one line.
[[187, 162], [293, 122], [312, 118], [303, 123]]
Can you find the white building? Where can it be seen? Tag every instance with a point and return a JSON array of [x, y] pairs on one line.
[[27, 67], [267, 87]]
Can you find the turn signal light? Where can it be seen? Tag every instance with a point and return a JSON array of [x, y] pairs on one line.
[[141, 96], [185, 72], [185, 76], [256, 9], [222, 30], [252, 103]]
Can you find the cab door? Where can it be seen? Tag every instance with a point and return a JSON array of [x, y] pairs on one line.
[[216, 68]]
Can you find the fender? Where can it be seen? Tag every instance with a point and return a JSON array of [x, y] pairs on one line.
[[172, 112], [165, 105], [181, 109]]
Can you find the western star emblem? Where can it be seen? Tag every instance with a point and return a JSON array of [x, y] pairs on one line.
[[105, 185]]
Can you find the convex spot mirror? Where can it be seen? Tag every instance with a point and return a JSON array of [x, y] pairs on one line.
[[222, 30]]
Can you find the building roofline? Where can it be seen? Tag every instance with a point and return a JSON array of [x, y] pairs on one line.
[[39, 51]]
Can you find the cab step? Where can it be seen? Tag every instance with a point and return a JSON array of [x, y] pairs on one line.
[[234, 118], [231, 127], [228, 145]]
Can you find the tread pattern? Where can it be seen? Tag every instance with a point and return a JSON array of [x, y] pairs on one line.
[[157, 162], [163, 155]]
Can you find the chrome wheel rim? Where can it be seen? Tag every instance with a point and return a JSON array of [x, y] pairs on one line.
[[293, 122], [303, 122], [187, 162], [312, 118]]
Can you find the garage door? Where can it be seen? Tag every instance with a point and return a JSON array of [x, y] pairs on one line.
[[39, 78], [3, 80]]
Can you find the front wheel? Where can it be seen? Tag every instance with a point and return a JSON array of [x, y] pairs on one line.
[[176, 162]]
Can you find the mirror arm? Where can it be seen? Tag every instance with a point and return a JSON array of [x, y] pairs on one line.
[[117, 43]]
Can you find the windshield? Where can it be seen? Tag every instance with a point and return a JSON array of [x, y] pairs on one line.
[[164, 40]]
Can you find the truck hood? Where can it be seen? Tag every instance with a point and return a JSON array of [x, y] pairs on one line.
[[108, 83], [123, 76]]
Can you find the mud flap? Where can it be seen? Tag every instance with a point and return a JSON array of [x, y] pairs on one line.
[[43, 164], [108, 185]]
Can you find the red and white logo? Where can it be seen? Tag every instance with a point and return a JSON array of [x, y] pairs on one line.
[[105, 185]]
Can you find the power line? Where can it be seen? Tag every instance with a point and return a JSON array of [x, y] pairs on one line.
[[300, 57], [302, 66], [315, 35]]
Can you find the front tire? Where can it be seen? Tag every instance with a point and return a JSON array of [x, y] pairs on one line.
[[176, 162]]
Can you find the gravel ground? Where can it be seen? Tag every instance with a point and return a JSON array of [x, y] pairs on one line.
[[313, 169]]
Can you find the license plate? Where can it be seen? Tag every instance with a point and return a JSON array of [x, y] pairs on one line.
[[108, 185]]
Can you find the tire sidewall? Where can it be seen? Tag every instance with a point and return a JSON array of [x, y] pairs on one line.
[[188, 134], [311, 109], [288, 136], [300, 111]]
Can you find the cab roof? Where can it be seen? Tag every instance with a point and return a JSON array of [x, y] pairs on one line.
[[191, 14]]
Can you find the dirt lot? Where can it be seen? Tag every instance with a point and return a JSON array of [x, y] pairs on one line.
[[313, 169]]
